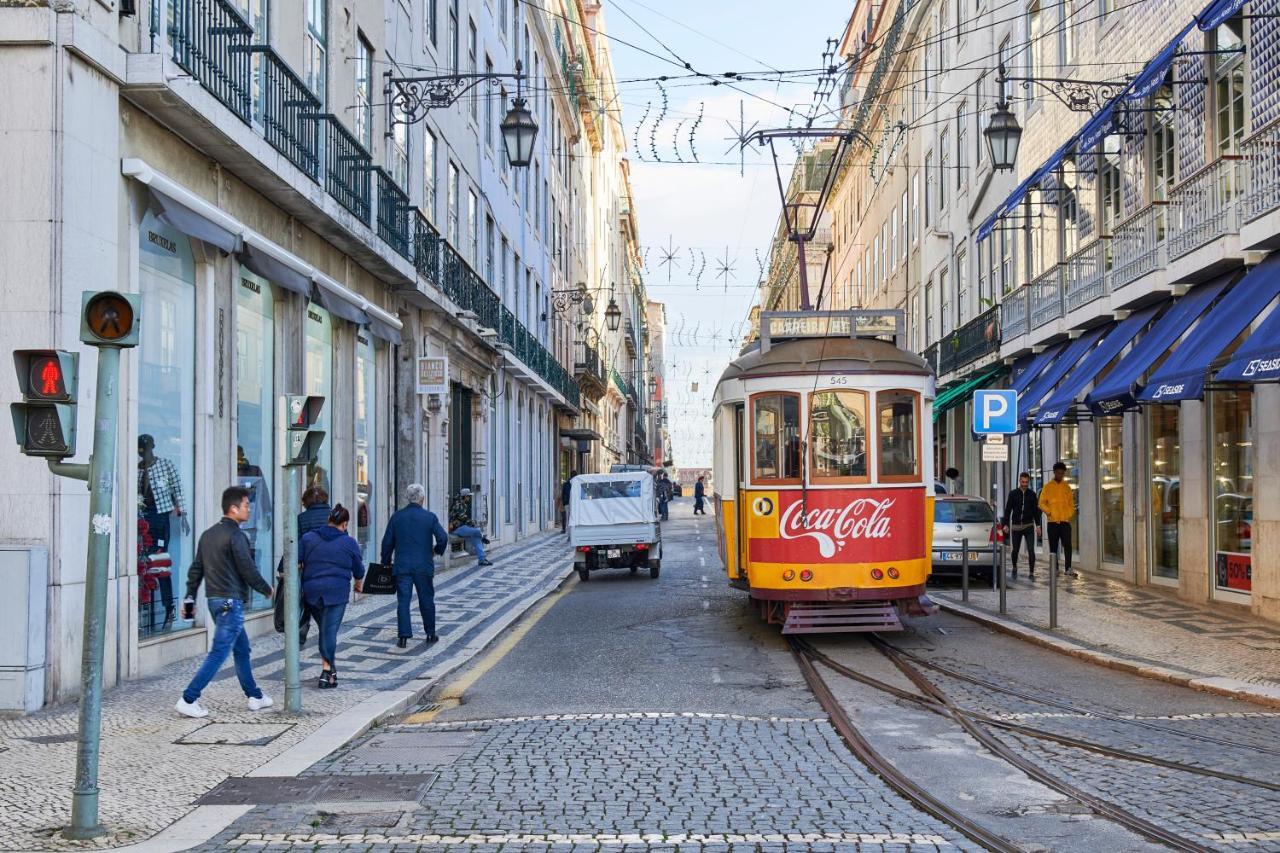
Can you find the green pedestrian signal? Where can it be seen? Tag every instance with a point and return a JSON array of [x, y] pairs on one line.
[[44, 423]]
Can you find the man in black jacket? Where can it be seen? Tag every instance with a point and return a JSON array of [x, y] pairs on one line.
[[225, 564], [1022, 519]]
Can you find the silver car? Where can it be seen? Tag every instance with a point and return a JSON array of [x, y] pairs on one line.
[[960, 517]]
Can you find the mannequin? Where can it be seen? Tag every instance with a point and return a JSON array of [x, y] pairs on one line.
[[160, 498]]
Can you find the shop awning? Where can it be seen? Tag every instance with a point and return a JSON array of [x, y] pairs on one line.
[[582, 434], [1118, 390], [1115, 338], [958, 394], [1182, 377], [383, 324], [179, 208], [275, 264], [1071, 355], [339, 301], [1258, 359], [1218, 12], [1022, 380], [1152, 77]]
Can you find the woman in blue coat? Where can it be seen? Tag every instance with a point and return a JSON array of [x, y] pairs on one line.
[[330, 561]]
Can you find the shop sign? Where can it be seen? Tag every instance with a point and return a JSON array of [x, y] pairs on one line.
[[433, 375], [1234, 571]]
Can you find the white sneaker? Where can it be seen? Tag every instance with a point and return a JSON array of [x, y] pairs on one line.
[[259, 704], [190, 709]]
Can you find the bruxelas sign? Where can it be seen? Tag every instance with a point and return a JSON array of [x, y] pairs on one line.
[[837, 526]]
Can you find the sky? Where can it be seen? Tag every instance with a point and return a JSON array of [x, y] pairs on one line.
[[705, 228]]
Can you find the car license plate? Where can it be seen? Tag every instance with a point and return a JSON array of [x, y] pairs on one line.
[[613, 553], [957, 556]]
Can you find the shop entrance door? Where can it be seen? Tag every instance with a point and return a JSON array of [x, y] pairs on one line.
[[460, 440]]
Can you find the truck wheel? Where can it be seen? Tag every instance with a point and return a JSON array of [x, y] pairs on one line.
[[584, 574], [654, 568], [635, 569]]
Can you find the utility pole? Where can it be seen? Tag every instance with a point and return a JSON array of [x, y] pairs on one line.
[[299, 444]]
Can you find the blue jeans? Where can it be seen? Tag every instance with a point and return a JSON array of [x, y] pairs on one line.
[[423, 580], [329, 618], [229, 638], [472, 538], [662, 508]]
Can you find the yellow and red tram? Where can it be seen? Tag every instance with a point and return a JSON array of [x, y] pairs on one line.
[[824, 471]]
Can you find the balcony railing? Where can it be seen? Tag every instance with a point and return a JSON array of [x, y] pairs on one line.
[[586, 361], [975, 339], [210, 41], [1015, 318], [1139, 245], [287, 109], [1262, 154], [930, 355], [1045, 293], [1206, 206], [347, 168], [1086, 272], [629, 335], [427, 247], [393, 213]]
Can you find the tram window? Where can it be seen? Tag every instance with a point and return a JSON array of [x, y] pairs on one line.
[[896, 419], [777, 436], [838, 435]]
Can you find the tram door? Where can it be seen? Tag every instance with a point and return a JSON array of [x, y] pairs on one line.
[[740, 483]]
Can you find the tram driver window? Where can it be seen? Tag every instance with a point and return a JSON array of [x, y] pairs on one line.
[[838, 435], [777, 436], [896, 419]]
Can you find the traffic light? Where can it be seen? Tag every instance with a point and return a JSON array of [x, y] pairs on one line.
[[299, 442], [44, 423]]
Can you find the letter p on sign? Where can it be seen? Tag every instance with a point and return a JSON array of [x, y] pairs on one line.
[[995, 412]]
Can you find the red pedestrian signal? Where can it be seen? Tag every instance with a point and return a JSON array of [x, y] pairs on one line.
[[48, 381], [44, 423]]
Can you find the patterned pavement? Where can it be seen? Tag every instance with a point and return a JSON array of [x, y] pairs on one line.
[[155, 764]]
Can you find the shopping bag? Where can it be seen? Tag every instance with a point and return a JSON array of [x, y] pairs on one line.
[[378, 580]]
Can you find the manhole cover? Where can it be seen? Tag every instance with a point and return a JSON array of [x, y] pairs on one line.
[[423, 749], [280, 790], [236, 734], [67, 738]]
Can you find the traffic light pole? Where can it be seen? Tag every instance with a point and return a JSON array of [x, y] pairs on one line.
[[101, 476], [292, 596]]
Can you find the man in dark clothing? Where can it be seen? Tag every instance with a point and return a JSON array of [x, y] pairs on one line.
[[1022, 519], [664, 495], [410, 534], [566, 489], [699, 495], [225, 564]]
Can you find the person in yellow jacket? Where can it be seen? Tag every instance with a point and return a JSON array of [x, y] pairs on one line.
[[1059, 507]]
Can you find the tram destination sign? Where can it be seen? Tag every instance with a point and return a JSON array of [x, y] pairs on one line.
[[783, 325]]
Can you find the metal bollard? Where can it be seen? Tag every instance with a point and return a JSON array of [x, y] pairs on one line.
[[964, 570], [1053, 589], [1004, 582]]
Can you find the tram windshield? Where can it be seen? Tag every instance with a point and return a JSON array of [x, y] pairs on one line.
[[897, 420], [838, 434], [777, 436]]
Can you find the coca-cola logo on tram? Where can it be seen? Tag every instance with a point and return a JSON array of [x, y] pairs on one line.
[[838, 526]]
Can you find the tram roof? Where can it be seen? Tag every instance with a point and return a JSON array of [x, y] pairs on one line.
[[826, 355]]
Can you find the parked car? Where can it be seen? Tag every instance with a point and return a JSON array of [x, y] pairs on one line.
[[960, 517], [676, 489]]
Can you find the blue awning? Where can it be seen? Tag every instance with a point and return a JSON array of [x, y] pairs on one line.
[[1258, 359], [1071, 354], [1152, 77], [1182, 376], [1038, 363], [1217, 12], [1118, 390], [1115, 338]]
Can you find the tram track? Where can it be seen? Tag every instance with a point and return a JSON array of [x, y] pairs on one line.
[[931, 698]]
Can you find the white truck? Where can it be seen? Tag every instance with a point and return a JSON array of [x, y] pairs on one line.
[[613, 523]]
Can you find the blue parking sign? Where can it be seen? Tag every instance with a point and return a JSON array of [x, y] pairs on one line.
[[995, 412]]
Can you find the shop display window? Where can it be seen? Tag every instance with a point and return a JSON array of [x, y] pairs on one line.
[[165, 360], [1233, 464], [366, 443], [1164, 444], [1068, 436], [319, 381], [255, 419], [1110, 431]]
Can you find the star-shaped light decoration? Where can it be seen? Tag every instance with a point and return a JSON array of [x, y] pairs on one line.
[[669, 257], [725, 269], [741, 136]]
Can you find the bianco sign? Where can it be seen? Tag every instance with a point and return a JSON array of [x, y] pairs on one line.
[[433, 375]]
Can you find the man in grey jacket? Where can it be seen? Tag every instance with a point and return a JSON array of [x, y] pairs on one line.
[[225, 564]]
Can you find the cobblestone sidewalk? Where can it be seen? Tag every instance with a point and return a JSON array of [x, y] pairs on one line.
[[155, 764], [1155, 631]]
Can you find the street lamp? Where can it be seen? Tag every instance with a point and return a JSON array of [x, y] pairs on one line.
[[613, 315], [518, 133], [1003, 136], [653, 385]]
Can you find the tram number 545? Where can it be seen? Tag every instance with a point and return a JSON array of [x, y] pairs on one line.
[[838, 380]]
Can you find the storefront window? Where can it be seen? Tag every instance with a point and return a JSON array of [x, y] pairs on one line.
[[1233, 437], [1035, 459], [1069, 455], [319, 382], [166, 425], [896, 429], [1111, 486], [255, 408], [838, 434], [777, 436], [1166, 499], [366, 432]]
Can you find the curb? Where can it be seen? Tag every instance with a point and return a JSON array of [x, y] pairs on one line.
[[1234, 688], [202, 823]]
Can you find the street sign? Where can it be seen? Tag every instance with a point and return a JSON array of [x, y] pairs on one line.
[[995, 452], [995, 438], [995, 411]]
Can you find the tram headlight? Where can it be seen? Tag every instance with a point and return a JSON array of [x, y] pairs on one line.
[[876, 574], [788, 574], [806, 575]]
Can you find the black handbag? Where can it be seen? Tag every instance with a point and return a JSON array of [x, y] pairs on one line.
[[378, 580]]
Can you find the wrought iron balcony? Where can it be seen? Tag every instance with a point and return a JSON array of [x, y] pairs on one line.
[[1087, 274], [975, 339], [629, 335], [1139, 245], [1015, 316], [1045, 295], [586, 361], [427, 249], [210, 40], [1262, 156], [288, 111], [930, 355], [347, 168], [1206, 206], [393, 214]]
